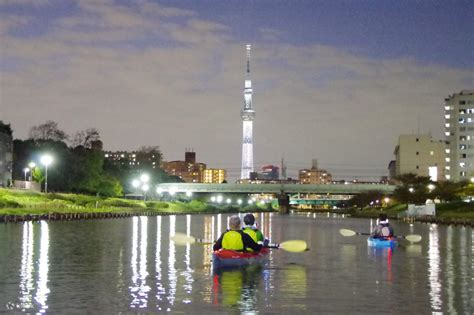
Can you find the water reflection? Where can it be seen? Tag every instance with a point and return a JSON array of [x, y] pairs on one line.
[[160, 289], [26, 272], [172, 277], [295, 285], [188, 285], [139, 290], [237, 287], [43, 268], [383, 255], [434, 269]]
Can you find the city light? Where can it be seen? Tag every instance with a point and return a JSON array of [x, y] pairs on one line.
[[189, 193]]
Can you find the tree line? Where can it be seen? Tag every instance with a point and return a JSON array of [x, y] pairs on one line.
[[414, 189], [79, 164]]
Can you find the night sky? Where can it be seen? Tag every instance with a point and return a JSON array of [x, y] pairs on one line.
[[334, 80]]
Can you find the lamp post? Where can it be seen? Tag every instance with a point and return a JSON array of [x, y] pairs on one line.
[[26, 170], [32, 166], [46, 160]]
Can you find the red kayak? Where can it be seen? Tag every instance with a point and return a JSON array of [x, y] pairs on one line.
[[231, 258]]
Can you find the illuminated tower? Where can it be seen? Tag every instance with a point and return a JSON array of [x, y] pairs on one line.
[[248, 115]]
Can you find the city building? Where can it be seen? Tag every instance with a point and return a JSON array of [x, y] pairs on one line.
[[269, 174], [421, 155], [314, 175], [248, 115], [6, 154], [188, 170], [214, 176], [134, 159], [459, 132]]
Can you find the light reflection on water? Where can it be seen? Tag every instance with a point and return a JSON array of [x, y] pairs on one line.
[[163, 276], [26, 273], [434, 269]]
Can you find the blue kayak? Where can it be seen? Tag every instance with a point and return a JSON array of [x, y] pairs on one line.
[[382, 242]]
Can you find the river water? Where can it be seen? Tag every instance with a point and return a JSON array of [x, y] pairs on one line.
[[130, 265]]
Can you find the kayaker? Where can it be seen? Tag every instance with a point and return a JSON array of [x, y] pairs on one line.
[[235, 238], [383, 228], [251, 229]]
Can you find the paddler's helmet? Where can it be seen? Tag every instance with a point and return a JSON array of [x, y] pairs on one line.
[[249, 219], [383, 218]]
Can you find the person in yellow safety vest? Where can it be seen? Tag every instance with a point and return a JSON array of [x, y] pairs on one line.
[[235, 238], [251, 229]]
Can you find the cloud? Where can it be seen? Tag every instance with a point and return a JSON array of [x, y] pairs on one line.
[[152, 75]]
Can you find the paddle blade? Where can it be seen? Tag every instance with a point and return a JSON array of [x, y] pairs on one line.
[[295, 246], [346, 232], [183, 239], [413, 238]]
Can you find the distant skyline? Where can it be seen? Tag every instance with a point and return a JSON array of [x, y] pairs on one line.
[[338, 81]]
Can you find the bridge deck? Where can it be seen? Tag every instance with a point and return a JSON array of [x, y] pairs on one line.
[[276, 188]]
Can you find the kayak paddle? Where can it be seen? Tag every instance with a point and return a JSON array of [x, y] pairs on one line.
[[411, 238], [183, 239], [294, 246]]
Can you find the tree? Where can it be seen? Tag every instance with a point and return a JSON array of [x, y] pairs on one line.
[[85, 138], [365, 199], [412, 189], [47, 131], [448, 191], [5, 128]]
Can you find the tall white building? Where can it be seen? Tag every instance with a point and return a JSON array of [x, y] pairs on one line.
[[421, 155], [248, 115], [459, 132]]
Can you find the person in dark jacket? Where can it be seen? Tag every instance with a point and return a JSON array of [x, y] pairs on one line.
[[383, 228], [235, 238]]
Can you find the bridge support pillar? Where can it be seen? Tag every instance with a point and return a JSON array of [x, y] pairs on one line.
[[284, 203]]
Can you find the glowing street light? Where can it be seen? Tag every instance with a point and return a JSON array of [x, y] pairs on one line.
[[46, 160], [145, 178], [189, 193], [431, 187], [411, 189]]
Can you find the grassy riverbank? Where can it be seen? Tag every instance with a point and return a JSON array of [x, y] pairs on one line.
[[23, 202], [445, 211]]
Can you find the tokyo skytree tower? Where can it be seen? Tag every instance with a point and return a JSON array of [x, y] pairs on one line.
[[248, 115]]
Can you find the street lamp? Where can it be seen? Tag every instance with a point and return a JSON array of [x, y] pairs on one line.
[[32, 166], [26, 170], [46, 160], [145, 188]]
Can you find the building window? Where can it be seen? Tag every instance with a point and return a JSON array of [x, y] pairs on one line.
[[417, 153], [462, 102], [447, 116], [431, 153], [417, 167], [462, 174], [447, 151], [462, 111], [417, 139]]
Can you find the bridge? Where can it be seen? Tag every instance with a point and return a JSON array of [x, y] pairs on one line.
[[345, 189], [282, 191]]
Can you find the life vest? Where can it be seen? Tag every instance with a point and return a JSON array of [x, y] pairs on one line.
[[232, 240], [252, 233]]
